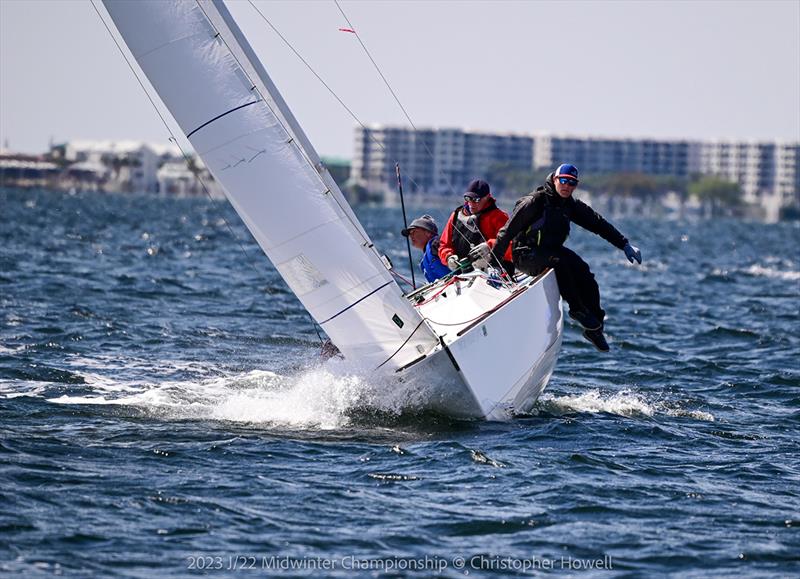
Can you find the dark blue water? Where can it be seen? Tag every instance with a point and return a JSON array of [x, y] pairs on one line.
[[163, 413]]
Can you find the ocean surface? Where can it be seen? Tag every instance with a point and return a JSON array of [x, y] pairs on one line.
[[164, 412]]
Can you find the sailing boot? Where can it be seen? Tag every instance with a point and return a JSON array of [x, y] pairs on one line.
[[586, 319], [597, 339]]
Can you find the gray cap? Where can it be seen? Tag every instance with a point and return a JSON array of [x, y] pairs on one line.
[[425, 222]]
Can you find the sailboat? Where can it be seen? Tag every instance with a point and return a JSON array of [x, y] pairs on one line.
[[467, 346]]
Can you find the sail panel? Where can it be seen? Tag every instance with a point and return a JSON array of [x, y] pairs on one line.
[[175, 45], [324, 239], [243, 52], [253, 146]]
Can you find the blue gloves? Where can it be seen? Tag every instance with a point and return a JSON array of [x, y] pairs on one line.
[[632, 253]]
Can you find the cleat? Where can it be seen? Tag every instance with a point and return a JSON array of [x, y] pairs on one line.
[[586, 319], [597, 339]]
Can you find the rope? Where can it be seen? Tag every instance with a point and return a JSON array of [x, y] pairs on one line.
[[447, 284], [399, 276], [422, 321]]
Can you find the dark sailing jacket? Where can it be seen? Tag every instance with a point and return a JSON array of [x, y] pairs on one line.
[[540, 222]]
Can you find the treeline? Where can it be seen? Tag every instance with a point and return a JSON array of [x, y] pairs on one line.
[[714, 190]]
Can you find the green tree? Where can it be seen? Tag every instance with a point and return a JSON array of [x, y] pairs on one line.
[[629, 184], [721, 194], [513, 181]]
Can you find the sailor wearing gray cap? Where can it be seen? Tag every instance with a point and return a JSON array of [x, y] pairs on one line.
[[424, 234], [425, 222]]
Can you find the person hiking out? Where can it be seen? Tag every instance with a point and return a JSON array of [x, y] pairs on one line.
[[539, 226]]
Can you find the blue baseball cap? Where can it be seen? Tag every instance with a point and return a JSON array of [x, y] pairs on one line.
[[567, 170]]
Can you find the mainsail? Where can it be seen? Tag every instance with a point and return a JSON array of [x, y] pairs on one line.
[[209, 78]]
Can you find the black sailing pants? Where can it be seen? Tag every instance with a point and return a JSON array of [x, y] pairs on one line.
[[575, 280]]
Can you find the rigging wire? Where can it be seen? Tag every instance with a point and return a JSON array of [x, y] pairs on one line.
[[190, 165], [327, 86], [391, 90], [355, 117], [411, 122]]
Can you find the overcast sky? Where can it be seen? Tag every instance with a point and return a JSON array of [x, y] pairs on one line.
[[674, 69]]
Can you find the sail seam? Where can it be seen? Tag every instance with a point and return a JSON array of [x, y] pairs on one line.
[[335, 219], [160, 46], [222, 115], [391, 281]]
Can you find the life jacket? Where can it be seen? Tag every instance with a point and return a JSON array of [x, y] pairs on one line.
[[431, 267], [466, 229], [551, 230]]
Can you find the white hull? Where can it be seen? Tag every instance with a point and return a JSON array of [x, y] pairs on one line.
[[498, 347]]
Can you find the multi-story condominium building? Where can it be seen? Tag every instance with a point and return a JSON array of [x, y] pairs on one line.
[[441, 161], [433, 161], [787, 174], [606, 155], [767, 171]]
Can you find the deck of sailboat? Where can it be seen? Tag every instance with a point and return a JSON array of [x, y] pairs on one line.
[[498, 343]]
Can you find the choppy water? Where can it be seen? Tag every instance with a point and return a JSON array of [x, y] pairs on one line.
[[163, 413]]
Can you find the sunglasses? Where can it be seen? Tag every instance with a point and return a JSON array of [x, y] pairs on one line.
[[472, 198], [567, 181]]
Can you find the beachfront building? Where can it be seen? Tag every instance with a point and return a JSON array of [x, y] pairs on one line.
[[767, 171], [437, 162], [787, 174], [177, 178], [21, 170], [132, 166], [608, 155], [432, 161]]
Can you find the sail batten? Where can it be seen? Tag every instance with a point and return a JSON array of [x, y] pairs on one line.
[[207, 75], [234, 109]]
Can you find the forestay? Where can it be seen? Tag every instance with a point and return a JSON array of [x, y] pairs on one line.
[[205, 72]]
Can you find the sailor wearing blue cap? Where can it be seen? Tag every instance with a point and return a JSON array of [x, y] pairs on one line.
[[539, 226]]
